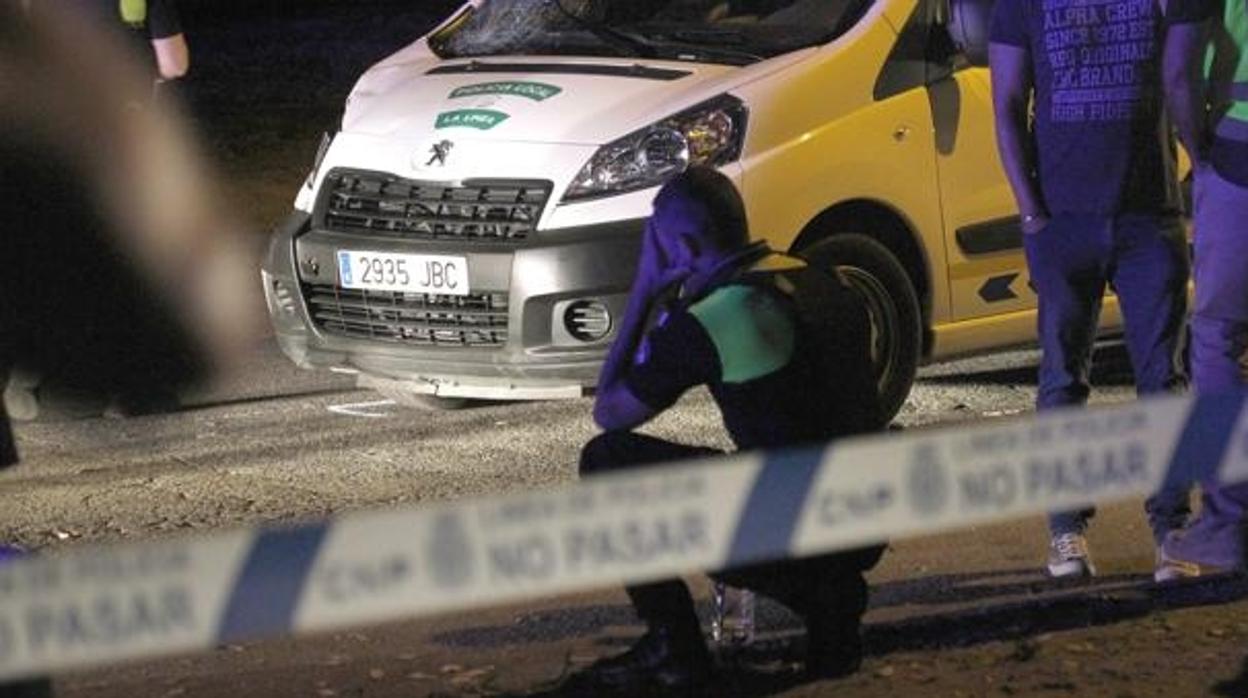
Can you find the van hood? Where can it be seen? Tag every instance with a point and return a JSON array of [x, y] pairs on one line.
[[549, 99]]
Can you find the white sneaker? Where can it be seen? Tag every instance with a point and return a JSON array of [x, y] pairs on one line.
[[1068, 556], [1168, 570]]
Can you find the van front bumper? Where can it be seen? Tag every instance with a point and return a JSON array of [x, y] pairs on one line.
[[538, 281]]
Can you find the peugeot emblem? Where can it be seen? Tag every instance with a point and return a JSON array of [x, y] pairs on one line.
[[438, 153]]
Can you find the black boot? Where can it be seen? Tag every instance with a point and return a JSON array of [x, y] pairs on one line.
[[833, 647], [661, 661], [33, 688], [834, 627]]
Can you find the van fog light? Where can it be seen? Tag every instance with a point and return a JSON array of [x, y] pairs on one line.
[[587, 321]]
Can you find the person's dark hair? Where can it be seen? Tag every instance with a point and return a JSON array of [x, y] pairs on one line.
[[725, 211]]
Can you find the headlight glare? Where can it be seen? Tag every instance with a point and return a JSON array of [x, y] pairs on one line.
[[663, 150], [710, 133]]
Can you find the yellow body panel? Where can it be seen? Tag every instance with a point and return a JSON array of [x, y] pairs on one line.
[[848, 147], [820, 138]]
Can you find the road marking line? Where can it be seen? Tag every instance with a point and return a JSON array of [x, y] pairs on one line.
[[361, 409]]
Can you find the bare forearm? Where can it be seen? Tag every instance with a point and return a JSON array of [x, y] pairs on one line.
[[627, 339], [1187, 115], [1012, 82], [1013, 139], [1185, 85], [173, 58]]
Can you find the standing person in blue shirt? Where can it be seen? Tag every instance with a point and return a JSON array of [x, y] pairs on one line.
[[784, 349], [1094, 178], [1209, 103]]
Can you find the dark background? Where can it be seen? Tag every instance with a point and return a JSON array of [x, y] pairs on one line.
[[292, 8], [269, 77]]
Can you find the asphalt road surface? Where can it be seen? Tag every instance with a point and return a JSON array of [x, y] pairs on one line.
[[958, 614]]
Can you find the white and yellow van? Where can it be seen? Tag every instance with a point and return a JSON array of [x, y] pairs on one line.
[[471, 230]]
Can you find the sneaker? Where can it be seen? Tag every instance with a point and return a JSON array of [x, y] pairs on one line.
[[1169, 569], [1068, 556], [1202, 549], [656, 664]]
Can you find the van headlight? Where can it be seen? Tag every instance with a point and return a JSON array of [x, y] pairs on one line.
[[710, 133]]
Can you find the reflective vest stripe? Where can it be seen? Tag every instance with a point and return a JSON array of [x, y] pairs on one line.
[[133, 11], [1231, 78]]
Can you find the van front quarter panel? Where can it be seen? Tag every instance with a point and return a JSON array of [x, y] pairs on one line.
[[819, 138]]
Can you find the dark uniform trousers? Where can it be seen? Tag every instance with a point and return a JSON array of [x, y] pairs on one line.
[[828, 591]]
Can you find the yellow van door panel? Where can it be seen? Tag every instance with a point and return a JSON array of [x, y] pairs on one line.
[[882, 153], [1001, 331], [987, 269], [822, 139]]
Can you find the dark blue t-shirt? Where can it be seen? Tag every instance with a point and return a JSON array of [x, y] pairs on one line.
[[1103, 141]]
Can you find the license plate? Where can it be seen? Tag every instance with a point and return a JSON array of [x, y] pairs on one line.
[[405, 273]]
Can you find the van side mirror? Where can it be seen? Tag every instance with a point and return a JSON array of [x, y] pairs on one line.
[[969, 22]]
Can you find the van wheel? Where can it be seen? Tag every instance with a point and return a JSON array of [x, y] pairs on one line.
[[896, 320]]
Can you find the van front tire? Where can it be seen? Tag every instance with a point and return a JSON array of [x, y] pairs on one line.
[[896, 318]]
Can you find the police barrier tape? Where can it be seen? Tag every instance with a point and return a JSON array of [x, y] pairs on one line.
[[130, 601]]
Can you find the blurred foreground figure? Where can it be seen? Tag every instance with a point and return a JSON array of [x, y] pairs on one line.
[[123, 276], [122, 279], [1216, 88], [784, 349]]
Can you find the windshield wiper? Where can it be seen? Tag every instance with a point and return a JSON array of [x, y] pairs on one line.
[[629, 43], [708, 34]]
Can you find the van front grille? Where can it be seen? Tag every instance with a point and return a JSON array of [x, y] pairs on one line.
[[478, 320], [476, 210]]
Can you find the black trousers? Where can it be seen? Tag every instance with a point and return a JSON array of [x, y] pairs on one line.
[[828, 591]]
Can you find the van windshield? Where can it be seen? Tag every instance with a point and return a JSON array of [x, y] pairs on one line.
[[735, 32]]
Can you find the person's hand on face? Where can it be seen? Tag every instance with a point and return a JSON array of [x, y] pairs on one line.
[[673, 224], [653, 260]]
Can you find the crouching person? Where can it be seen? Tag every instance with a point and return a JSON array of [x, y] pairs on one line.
[[784, 350]]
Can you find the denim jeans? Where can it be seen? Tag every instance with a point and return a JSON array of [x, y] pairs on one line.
[[1143, 258], [1219, 352]]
